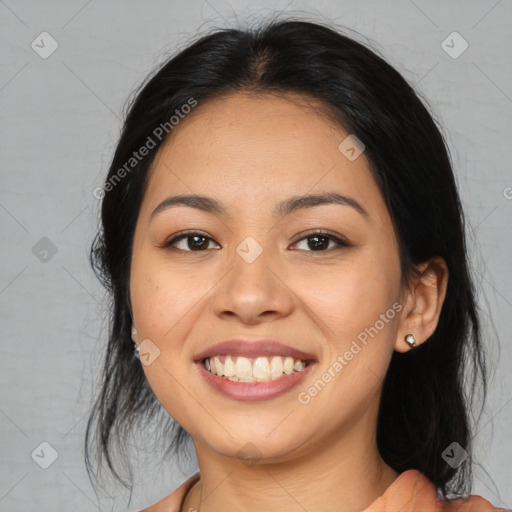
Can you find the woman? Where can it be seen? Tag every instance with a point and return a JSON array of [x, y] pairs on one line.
[[284, 245]]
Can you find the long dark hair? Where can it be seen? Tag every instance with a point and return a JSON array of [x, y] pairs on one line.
[[424, 405]]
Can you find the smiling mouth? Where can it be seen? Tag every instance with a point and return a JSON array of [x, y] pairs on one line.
[[253, 369]]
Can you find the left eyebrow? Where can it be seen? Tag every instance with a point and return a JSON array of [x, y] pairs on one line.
[[299, 202], [286, 207]]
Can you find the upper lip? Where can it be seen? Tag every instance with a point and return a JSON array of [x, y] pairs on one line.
[[253, 348]]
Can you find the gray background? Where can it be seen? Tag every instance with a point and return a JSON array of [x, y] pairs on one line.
[[60, 123]]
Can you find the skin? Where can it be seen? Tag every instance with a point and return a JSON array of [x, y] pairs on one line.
[[250, 152]]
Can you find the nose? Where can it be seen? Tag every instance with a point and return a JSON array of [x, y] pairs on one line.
[[254, 292]]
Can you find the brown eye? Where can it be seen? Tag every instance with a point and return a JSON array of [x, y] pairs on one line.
[[320, 242], [191, 242]]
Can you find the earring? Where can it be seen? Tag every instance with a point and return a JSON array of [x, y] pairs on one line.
[[136, 352], [409, 339]]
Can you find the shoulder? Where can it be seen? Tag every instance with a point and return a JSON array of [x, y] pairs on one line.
[[472, 503], [172, 502], [412, 491]]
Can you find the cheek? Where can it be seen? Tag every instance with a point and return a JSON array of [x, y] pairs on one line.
[[355, 306], [162, 302], [160, 296], [352, 296]]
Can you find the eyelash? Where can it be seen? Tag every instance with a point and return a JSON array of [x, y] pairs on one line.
[[188, 234]]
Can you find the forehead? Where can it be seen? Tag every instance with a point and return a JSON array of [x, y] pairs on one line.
[[254, 147], [247, 122]]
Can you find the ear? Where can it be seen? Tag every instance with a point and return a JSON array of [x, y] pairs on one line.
[[423, 303]]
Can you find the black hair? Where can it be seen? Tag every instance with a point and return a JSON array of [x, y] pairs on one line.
[[424, 404]]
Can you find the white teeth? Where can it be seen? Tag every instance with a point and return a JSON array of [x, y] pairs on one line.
[[299, 365], [260, 369], [276, 367], [229, 367], [243, 367], [288, 365], [219, 366]]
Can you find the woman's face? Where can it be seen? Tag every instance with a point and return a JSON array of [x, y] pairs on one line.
[[249, 272]]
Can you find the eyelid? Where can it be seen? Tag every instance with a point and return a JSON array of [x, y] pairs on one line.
[[339, 240], [184, 234]]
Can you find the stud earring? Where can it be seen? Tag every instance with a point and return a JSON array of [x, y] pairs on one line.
[[136, 352], [409, 339]]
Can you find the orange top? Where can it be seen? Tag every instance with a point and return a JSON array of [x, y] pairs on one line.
[[410, 492]]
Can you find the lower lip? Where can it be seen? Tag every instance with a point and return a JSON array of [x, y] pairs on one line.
[[253, 391]]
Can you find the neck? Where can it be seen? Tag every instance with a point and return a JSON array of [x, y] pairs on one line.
[[344, 473]]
